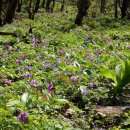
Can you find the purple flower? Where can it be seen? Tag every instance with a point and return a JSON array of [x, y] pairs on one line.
[[42, 40], [46, 65], [33, 39], [59, 61], [28, 68], [91, 85], [74, 78], [107, 41], [23, 117], [62, 52], [94, 42], [8, 48], [51, 88], [8, 82], [85, 91], [86, 37], [27, 75], [34, 83], [17, 61], [58, 73]]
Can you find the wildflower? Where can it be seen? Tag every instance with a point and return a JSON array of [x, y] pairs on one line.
[[23, 117], [33, 39], [86, 37], [17, 61], [34, 83], [94, 42], [51, 88], [74, 78], [8, 48], [28, 68], [46, 65], [91, 85], [85, 91], [59, 61], [58, 73], [27, 75], [107, 41], [8, 82], [62, 52]]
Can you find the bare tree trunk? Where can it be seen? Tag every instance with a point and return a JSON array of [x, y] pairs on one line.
[[103, 4], [43, 3], [11, 6], [62, 6], [83, 6], [124, 8], [19, 5], [116, 11], [53, 5], [37, 6], [48, 5]]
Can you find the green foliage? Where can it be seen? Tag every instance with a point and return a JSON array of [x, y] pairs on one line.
[[121, 76]]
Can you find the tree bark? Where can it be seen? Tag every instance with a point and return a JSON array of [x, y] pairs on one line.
[[124, 8], [37, 6], [116, 11], [83, 6], [103, 4], [11, 6]]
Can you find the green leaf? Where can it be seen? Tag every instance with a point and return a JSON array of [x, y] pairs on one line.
[[61, 101], [107, 73], [24, 98]]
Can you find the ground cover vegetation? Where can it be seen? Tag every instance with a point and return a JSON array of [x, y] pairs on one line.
[[64, 65]]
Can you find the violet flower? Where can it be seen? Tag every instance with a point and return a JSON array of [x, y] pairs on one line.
[[34, 83], [91, 85], [27, 75], [85, 91], [23, 117], [8, 82], [74, 78], [51, 88]]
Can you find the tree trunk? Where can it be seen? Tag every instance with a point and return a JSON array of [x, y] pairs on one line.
[[0, 12], [124, 8], [83, 6], [53, 5], [37, 6], [43, 3], [116, 12], [19, 5], [48, 5], [11, 6], [62, 6], [103, 4]]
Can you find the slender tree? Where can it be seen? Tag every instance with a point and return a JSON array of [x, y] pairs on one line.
[[115, 7]]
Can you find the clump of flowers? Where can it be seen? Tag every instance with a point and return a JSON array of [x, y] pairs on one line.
[[34, 83], [27, 75], [46, 65], [74, 78], [23, 117]]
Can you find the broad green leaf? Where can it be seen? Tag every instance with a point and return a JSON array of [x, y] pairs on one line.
[[107, 73]]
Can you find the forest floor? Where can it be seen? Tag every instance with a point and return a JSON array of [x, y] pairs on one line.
[[50, 72]]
